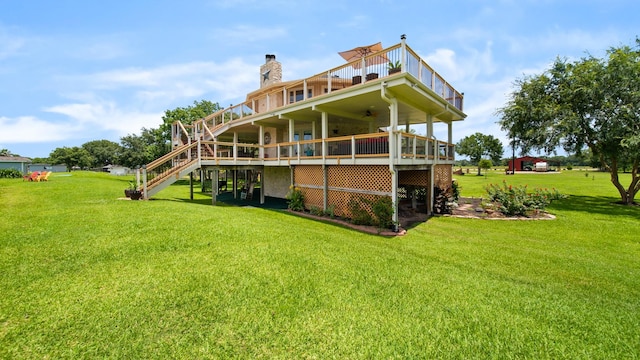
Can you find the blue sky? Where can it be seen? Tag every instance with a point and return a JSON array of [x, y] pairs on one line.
[[76, 71]]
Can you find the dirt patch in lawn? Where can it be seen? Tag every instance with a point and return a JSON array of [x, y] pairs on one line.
[[473, 208]]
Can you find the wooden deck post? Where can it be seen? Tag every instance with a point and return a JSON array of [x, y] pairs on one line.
[[325, 187], [262, 187], [235, 183], [214, 186], [191, 185]]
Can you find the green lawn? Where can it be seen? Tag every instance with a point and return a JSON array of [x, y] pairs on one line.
[[85, 275]]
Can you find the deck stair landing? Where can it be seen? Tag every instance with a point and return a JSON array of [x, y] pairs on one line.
[[167, 169]]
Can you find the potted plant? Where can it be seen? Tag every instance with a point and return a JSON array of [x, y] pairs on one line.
[[133, 192], [394, 67], [130, 189]]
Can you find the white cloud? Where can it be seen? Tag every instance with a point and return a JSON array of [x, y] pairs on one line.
[[106, 116], [10, 45], [166, 84], [29, 129], [469, 66], [562, 42]]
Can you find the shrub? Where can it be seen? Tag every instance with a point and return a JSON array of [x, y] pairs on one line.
[[359, 214], [295, 199], [383, 210], [455, 191], [314, 210], [10, 174], [331, 211], [514, 200], [485, 164]]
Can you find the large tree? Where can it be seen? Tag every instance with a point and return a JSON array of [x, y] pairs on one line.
[[135, 151], [103, 152], [74, 156], [186, 115], [589, 103], [6, 152], [477, 146]]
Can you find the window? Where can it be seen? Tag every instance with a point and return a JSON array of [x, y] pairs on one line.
[[295, 96]]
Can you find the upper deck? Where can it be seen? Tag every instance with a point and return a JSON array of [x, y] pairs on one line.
[[351, 94]]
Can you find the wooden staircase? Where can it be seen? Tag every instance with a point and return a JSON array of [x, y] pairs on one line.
[[167, 169], [181, 161]]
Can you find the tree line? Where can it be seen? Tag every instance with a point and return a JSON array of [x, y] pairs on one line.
[[134, 149]]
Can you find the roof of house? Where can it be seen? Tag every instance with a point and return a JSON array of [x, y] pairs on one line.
[[19, 159], [532, 158]]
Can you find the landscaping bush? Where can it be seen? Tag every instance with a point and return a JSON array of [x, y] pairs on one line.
[[455, 191], [10, 174], [383, 210], [315, 210], [359, 214], [295, 199], [514, 200]]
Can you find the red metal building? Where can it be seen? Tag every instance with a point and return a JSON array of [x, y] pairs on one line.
[[525, 163]]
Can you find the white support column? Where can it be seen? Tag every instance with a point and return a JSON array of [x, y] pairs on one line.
[[403, 53], [291, 130], [407, 129], [304, 89], [235, 183], [262, 186], [393, 129], [215, 176], [450, 132], [325, 187], [430, 190], [394, 147], [261, 142], [429, 125], [291, 137], [394, 194], [235, 145], [144, 181], [325, 133]]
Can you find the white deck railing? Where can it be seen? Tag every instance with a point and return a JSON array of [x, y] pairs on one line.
[[385, 63], [374, 145]]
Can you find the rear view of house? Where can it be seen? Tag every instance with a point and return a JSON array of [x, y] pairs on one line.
[[338, 135]]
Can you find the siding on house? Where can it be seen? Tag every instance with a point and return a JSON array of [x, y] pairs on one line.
[[15, 162]]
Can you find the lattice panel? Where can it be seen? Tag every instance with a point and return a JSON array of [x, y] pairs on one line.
[[414, 177], [308, 175], [340, 199], [313, 197], [363, 177], [443, 176]]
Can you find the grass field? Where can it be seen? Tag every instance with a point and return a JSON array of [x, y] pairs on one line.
[[85, 275]]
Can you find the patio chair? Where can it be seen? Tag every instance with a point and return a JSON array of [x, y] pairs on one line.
[[42, 176], [31, 177]]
